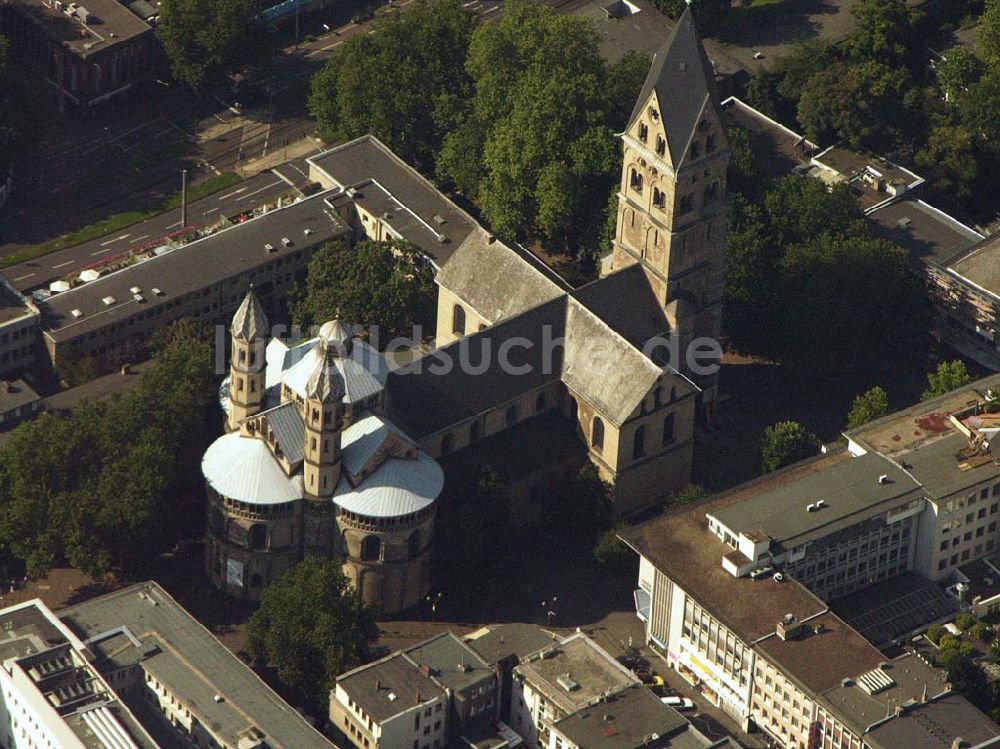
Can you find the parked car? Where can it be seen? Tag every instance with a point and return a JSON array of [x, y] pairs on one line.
[[678, 703]]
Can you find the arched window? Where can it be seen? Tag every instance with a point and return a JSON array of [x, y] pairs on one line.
[[474, 431], [458, 320], [639, 442], [661, 145], [597, 434], [643, 131], [370, 549], [659, 395], [635, 181], [540, 402], [414, 543], [447, 443], [668, 429], [512, 415]]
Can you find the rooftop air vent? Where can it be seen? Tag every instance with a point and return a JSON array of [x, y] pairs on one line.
[[268, 247], [883, 479], [108, 301], [438, 219], [308, 232], [156, 291], [286, 241], [139, 298], [820, 504], [391, 697], [76, 313], [135, 290], [567, 683]]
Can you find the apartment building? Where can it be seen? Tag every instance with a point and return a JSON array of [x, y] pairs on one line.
[[423, 697], [19, 318], [560, 680]]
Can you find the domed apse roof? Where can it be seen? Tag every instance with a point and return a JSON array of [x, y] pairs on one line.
[[243, 468]]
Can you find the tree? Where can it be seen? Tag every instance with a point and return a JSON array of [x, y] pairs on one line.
[[611, 552], [965, 621], [988, 35], [384, 284], [311, 626], [577, 508], [709, 14], [870, 405], [982, 632], [948, 376], [404, 81], [784, 443], [957, 72], [687, 495], [848, 300], [934, 633], [800, 209], [967, 678], [536, 148], [11, 108], [202, 37], [885, 32], [950, 152]]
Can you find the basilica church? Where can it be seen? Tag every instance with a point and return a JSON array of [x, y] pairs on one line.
[[329, 452]]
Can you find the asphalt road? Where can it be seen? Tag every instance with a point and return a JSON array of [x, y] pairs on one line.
[[232, 201]]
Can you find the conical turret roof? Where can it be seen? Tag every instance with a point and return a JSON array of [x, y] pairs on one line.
[[325, 383]]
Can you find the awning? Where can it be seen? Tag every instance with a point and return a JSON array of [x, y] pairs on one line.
[[642, 601]]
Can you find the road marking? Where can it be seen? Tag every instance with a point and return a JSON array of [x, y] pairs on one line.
[[21, 278], [265, 187], [99, 252], [230, 194], [174, 224], [137, 239], [63, 265], [211, 210], [283, 177], [116, 239], [267, 137], [327, 48], [491, 10]]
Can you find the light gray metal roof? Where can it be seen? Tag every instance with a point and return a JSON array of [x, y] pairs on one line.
[[363, 372], [243, 468]]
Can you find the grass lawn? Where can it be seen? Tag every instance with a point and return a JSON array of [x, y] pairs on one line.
[[118, 221]]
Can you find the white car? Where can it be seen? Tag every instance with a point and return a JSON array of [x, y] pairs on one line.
[[678, 703]]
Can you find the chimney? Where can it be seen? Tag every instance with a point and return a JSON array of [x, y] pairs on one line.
[[959, 743], [418, 696], [425, 670], [378, 684]]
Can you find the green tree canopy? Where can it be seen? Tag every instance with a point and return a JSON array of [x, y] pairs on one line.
[[404, 81], [870, 405], [988, 35], [388, 284], [958, 71], [103, 488], [949, 375], [784, 443], [311, 626], [886, 32], [202, 37], [11, 108]]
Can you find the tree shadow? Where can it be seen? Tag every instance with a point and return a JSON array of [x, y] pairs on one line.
[[787, 22]]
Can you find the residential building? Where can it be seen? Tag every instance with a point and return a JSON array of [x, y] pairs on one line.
[[311, 466], [133, 670], [504, 646], [89, 55], [734, 590], [555, 683], [423, 697], [19, 318], [18, 401]]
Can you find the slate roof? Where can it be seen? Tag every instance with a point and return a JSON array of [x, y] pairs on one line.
[[325, 382], [684, 82], [452, 662], [250, 322], [625, 301], [498, 280]]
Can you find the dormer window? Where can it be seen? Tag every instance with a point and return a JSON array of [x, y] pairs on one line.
[[695, 149], [643, 131], [661, 145]]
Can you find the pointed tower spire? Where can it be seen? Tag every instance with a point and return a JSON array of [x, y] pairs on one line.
[[247, 376], [324, 422], [249, 322]]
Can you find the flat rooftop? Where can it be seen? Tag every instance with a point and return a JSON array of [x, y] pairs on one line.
[[12, 304], [922, 230], [777, 149], [680, 544], [981, 265], [984, 578], [180, 653], [16, 394], [92, 28], [25, 630], [389, 188], [575, 672], [626, 721], [389, 686], [852, 166], [847, 486], [828, 652], [191, 269]]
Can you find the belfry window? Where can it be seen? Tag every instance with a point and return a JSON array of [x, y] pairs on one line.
[[695, 149], [668, 429], [686, 203], [635, 181], [639, 443], [659, 199], [643, 131], [710, 143], [597, 434], [661, 145], [711, 192], [458, 320]]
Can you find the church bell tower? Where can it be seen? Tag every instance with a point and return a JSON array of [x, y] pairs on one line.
[[672, 206], [247, 363]]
